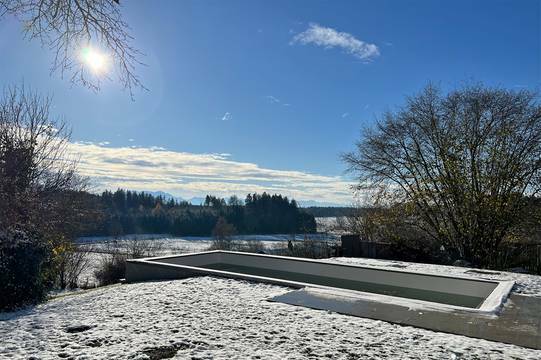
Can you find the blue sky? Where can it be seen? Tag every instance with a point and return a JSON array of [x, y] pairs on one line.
[[265, 95]]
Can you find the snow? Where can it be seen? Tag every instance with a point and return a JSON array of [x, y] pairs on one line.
[[169, 238], [525, 284], [208, 317], [331, 225]]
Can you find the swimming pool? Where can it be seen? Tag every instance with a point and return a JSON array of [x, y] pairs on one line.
[[380, 284]]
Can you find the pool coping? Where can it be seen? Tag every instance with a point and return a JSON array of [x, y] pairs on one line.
[[491, 305]]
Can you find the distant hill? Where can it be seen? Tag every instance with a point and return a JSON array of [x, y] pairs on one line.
[[305, 204], [165, 195], [329, 211], [168, 196], [314, 203], [197, 200]]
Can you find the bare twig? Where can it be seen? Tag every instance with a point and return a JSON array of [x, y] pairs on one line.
[[67, 26]]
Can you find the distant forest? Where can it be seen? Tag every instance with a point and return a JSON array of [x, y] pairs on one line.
[[128, 212]]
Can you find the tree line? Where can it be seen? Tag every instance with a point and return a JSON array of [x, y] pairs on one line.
[[130, 212]]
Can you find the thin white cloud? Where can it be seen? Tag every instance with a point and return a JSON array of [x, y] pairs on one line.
[[227, 116], [272, 99], [191, 175], [131, 140], [330, 38], [345, 115]]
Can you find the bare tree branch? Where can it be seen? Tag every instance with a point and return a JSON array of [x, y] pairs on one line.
[[68, 26]]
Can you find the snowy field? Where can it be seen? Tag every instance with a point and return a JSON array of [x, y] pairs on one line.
[[331, 224], [212, 318]]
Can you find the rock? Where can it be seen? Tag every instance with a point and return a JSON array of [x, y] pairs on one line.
[[78, 328], [161, 352], [93, 343]]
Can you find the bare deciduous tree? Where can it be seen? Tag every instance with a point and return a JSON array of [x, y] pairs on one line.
[[222, 233], [461, 164], [35, 164], [38, 182], [68, 26]]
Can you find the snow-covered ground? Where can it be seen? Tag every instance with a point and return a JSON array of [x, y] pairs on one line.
[[258, 237], [525, 284], [331, 224], [205, 317]]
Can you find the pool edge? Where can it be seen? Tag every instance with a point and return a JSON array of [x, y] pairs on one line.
[[491, 305]]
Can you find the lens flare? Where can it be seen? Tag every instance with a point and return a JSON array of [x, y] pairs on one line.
[[96, 61]]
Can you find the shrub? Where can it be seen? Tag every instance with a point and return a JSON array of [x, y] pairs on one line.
[[307, 248], [112, 269], [250, 246], [222, 233], [223, 244], [25, 274], [72, 261], [253, 246], [417, 249], [139, 248]]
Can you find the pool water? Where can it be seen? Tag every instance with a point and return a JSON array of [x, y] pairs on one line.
[[403, 292]]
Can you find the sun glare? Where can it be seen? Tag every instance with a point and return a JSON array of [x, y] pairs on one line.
[[96, 61]]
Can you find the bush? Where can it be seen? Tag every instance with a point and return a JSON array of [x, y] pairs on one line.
[[222, 233], [418, 249], [250, 246], [112, 269], [253, 246], [71, 263], [140, 248], [307, 248], [223, 244], [25, 275], [113, 266]]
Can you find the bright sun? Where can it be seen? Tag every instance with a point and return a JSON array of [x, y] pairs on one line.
[[95, 60]]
